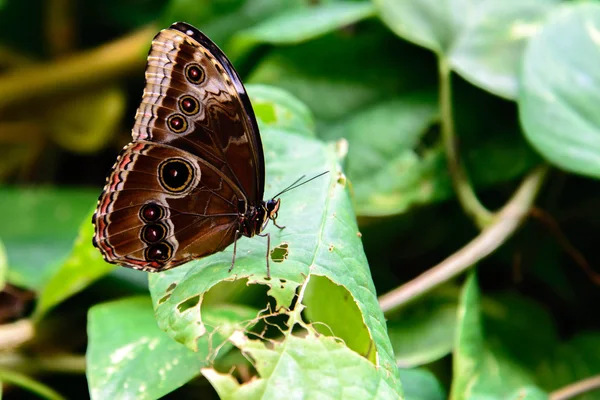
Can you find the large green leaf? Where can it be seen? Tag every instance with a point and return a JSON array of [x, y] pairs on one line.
[[322, 239], [314, 366], [338, 75], [40, 229], [479, 372], [482, 40], [296, 26], [221, 19], [561, 85], [130, 357]]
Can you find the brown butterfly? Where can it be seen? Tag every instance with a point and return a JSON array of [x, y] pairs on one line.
[[192, 180]]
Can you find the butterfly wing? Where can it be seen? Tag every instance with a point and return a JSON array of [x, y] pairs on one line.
[[196, 162]]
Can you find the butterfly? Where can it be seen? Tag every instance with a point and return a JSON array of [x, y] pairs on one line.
[[192, 181]]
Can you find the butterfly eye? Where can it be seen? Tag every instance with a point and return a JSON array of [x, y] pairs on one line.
[[189, 105], [177, 123], [151, 212], [194, 73], [159, 252], [153, 233], [175, 175]]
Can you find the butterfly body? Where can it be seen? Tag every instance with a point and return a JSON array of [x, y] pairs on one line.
[[192, 180]]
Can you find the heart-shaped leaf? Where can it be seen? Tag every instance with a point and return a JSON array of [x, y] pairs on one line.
[[561, 85], [482, 41]]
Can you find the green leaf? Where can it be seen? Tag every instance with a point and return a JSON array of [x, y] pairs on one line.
[[39, 230], [519, 327], [477, 370], [420, 384], [277, 108], [321, 237], [314, 366], [338, 75], [483, 41], [129, 356], [424, 332], [576, 359], [561, 85], [221, 19], [387, 174], [82, 267], [297, 26]]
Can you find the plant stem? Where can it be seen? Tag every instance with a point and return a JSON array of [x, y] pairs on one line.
[[15, 334], [462, 186], [59, 363], [82, 70], [29, 384], [506, 222], [575, 389]]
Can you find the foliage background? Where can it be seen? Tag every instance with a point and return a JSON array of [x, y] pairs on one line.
[[449, 111]]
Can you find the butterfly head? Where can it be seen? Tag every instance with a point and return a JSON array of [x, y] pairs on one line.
[[272, 206]]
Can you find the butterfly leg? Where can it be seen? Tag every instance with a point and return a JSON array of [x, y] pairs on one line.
[[280, 227], [268, 235], [237, 232]]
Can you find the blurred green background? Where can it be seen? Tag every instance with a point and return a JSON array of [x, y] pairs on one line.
[[524, 92]]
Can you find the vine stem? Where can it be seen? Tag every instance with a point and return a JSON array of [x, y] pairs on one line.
[[29, 384], [577, 388], [88, 68], [462, 186], [506, 222]]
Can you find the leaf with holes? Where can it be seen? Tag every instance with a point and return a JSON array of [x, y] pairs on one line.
[[320, 246], [128, 356], [324, 368]]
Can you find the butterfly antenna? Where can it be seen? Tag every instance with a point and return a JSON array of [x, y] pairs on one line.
[[296, 184]]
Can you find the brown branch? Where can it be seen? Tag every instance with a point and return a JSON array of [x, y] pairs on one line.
[[105, 63], [506, 222], [577, 388]]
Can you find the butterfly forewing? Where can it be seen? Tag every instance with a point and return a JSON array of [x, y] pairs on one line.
[[195, 164]]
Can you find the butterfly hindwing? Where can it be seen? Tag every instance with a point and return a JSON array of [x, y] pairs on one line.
[[143, 207]]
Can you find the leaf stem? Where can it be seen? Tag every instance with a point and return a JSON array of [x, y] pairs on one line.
[[88, 68], [462, 186], [29, 384], [506, 222], [577, 388]]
